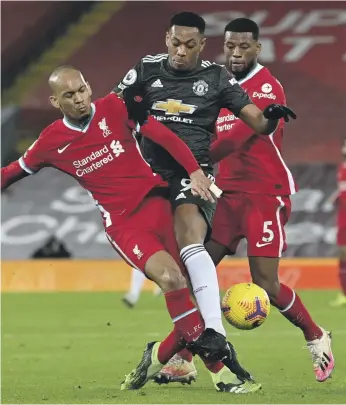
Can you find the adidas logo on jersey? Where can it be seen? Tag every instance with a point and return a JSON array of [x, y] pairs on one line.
[[157, 83], [181, 195]]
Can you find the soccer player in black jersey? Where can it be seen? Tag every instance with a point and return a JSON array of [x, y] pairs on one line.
[[186, 94]]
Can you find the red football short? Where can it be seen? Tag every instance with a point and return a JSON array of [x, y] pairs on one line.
[[146, 231], [260, 219]]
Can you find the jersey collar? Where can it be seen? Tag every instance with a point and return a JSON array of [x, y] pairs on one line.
[[253, 72], [86, 126]]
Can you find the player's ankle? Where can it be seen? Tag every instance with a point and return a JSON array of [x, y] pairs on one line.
[[215, 324]]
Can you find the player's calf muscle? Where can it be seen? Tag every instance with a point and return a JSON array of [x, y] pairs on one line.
[[189, 225], [165, 272]]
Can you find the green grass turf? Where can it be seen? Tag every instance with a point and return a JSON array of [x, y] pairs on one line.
[[76, 348]]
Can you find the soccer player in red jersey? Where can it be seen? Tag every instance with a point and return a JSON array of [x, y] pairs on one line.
[[257, 185], [339, 199], [94, 143]]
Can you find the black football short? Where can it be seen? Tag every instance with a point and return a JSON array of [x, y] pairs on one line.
[[180, 193]]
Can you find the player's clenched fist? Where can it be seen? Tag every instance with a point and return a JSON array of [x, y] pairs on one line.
[[200, 185], [137, 107], [277, 111]]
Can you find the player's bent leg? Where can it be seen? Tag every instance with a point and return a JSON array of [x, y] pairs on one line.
[[216, 251], [188, 325], [191, 229], [137, 281], [340, 300], [264, 272]]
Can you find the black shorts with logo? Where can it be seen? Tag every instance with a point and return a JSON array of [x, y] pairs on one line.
[[180, 193]]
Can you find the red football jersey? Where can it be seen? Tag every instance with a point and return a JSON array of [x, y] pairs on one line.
[[103, 157], [341, 177], [255, 165]]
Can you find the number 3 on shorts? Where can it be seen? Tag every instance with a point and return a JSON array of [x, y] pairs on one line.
[[268, 234]]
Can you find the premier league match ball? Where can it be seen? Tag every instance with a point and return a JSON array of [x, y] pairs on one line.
[[245, 306]]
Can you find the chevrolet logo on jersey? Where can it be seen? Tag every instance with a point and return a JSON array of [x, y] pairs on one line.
[[174, 107]]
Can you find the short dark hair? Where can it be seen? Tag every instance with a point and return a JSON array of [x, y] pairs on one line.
[[188, 19], [243, 25]]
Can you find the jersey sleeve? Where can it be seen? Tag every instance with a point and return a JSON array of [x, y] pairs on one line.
[[34, 158], [262, 95], [232, 96], [132, 78]]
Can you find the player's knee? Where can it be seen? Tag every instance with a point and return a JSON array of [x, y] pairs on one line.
[[272, 287], [171, 279]]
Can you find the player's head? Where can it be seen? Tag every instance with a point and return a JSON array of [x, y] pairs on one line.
[[241, 46], [70, 93], [185, 40]]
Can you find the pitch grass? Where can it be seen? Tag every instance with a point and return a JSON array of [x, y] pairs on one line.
[[76, 347]]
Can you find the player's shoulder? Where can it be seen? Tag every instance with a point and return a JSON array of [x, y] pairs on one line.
[[207, 65], [51, 130], [154, 59], [265, 76], [264, 85]]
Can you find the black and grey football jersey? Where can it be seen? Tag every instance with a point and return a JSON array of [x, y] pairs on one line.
[[188, 103]]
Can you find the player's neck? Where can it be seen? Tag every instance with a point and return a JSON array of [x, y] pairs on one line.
[[242, 75]]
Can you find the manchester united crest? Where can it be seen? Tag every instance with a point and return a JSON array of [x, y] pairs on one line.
[[200, 88]]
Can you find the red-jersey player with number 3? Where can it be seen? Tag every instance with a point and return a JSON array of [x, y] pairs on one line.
[[94, 143], [256, 186]]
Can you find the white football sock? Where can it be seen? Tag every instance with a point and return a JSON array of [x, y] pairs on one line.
[[137, 282], [205, 285]]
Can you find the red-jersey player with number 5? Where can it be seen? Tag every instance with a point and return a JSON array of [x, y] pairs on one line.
[[257, 185]]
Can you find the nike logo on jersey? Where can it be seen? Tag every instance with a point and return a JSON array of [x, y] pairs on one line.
[[65, 147], [262, 244], [157, 83]]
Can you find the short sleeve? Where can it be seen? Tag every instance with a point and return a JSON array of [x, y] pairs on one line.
[[232, 96], [33, 159], [132, 78]]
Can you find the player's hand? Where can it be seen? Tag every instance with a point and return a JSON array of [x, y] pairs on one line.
[[137, 107], [277, 111], [200, 185]]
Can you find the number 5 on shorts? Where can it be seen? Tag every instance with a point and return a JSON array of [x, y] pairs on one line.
[[268, 234]]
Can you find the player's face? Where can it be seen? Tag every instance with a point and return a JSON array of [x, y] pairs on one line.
[[241, 52], [184, 46], [72, 94]]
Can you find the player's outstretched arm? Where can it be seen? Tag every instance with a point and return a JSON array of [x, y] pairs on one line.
[[265, 122], [11, 173]]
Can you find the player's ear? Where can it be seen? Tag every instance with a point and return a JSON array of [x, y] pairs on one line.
[[55, 103], [167, 39], [203, 42], [259, 48], [89, 89]]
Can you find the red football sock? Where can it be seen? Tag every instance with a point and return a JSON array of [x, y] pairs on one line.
[[186, 355], [292, 308], [342, 275], [184, 314], [169, 347]]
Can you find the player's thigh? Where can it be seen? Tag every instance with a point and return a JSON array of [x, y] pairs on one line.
[[225, 234], [192, 215], [263, 225]]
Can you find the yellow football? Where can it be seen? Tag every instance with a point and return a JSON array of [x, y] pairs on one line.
[[245, 306]]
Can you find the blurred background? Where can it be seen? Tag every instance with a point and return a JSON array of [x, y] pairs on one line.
[[303, 45]]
